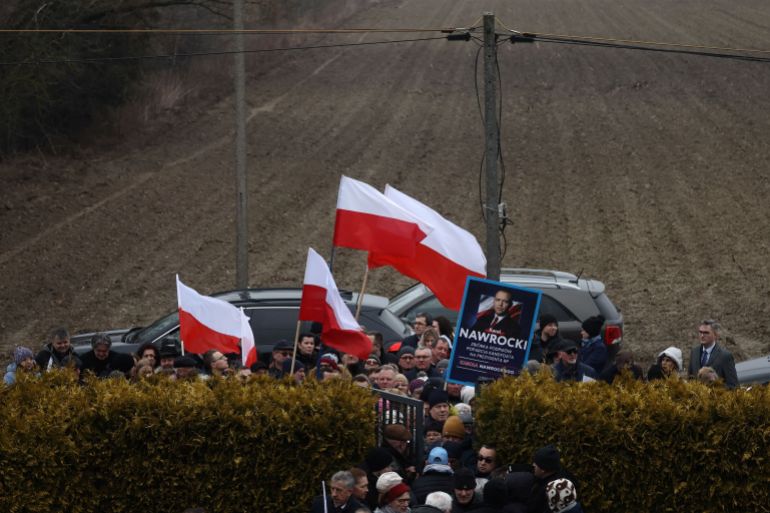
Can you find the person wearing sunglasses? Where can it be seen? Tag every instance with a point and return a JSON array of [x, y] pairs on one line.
[[282, 350], [566, 366], [486, 463]]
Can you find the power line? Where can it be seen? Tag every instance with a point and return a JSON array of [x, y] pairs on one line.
[[676, 49], [202, 54], [224, 32]]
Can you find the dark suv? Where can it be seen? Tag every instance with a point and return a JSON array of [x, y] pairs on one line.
[[272, 315], [569, 298]]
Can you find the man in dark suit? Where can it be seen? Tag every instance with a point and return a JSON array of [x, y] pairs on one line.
[[498, 320], [711, 354]]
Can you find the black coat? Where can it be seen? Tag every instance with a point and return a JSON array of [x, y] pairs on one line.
[[102, 368], [459, 508], [49, 355], [349, 507], [432, 481]]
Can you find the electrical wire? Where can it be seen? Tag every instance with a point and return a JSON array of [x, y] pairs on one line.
[[623, 46], [222, 32], [222, 52]]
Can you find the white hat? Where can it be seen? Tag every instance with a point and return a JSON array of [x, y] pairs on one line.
[[467, 393], [387, 481], [675, 354]]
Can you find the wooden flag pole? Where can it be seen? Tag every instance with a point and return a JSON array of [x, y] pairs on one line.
[[361, 295], [294, 356]]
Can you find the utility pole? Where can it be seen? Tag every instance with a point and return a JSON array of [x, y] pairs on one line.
[[492, 150], [241, 231]]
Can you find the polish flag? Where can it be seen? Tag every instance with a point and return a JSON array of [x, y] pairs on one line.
[[443, 260], [208, 323], [369, 221], [248, 347], [321, 302]]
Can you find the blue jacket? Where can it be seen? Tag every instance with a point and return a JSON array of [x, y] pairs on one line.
[[593, 353], [10, 374]]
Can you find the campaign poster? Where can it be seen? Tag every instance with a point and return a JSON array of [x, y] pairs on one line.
[[493, 332]]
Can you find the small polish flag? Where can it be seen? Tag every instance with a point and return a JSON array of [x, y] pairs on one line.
[[321, 302], [248, 347], [369, 221], [207, 323], [442, 260]]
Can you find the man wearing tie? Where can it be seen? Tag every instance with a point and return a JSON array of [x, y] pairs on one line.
[[499, 320], [711, 354]]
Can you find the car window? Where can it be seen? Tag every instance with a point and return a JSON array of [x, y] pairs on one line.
[[433, 307], [550, 306], [157, 329], [271, 324]]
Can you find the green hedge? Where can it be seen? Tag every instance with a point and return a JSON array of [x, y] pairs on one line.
[[668, 446], [165, 446]]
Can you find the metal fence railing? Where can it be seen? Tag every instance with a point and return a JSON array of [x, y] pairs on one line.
[[398, 409]]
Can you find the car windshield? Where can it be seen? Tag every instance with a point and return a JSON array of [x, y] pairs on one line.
[[156, 329]]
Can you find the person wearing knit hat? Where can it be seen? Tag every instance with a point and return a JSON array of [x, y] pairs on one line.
[[562, 497], [394, 494], [406, 361], [437, 475], [546, 467], [433, 429], [442, 366], [464, 493], [454, 429], [593, 351], [545, 337], [468, 394], [438, 401], [416, 386], [299, 369], [547, 459], [23, 359]]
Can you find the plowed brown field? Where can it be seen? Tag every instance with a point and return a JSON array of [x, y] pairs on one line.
[[648, 171]]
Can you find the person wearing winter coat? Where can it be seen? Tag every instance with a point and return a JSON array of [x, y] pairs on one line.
[[547, 468], [566, 366], [465, 497], [593, 352], [55, 351], [437, 476], [22, 362], [394, 495], [102, 362], [668, 366], [562, 497]]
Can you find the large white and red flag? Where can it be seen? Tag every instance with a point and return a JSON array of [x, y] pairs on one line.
[[321, 302], [443, 260], [209, 323], [367, 220], [248, 346]]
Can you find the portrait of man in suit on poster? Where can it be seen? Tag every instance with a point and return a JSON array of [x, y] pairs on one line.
[[498, 319]]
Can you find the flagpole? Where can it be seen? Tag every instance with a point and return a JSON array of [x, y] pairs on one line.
[[323, 492], [181, 342], [361, 295], [294, 356], [331, 259]]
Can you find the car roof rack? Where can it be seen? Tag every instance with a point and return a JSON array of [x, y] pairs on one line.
[[556, 275]]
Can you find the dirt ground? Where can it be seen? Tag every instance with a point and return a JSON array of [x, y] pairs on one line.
[[648, 171]]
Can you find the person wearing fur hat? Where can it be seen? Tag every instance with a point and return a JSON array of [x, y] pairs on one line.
[[394, 495], [593, 352], [546, 468], [22, 361], [562, 497], [668, 365], [437, 475]]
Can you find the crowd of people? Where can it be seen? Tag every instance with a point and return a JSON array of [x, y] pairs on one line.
[[456, 472]]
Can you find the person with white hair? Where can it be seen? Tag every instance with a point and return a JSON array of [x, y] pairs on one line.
[[436, 502]]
